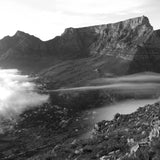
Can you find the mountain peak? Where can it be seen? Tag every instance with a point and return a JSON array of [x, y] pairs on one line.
[[21, 34], [24, 35], [134, 22], [119, 40]]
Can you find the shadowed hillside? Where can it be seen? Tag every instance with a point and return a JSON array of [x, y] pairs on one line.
[[96, 50]]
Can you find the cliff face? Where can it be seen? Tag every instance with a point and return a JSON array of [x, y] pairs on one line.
[[122, 37], [109, 49], [103, 39]]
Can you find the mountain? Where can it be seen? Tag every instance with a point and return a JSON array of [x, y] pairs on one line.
[[81, 54], [64, 128], [102, 39]]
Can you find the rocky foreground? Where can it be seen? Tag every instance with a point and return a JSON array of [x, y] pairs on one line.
[[127, 137], [64, 130]]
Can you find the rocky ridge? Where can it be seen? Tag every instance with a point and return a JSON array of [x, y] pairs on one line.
[[116, 43]]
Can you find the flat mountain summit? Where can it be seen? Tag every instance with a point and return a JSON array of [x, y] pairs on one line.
[[110, 49]]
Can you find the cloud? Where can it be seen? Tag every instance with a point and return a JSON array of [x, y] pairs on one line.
[[143, 84], [48, 18], [17, 93], [97, 7]]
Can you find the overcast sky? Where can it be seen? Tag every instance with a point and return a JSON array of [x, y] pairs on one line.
[[48, 18]]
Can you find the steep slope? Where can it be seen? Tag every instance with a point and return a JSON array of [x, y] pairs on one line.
[[78, 72], [147, 57], [122, 37], [103, 39], [108, 51]]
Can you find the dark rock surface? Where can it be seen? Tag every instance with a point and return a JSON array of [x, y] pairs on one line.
[[147, 56], [64, 128], [127, 137], [54, 132]]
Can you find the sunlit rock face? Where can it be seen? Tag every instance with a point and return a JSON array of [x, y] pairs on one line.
[[17, 93], [115, 39], [122, 38]]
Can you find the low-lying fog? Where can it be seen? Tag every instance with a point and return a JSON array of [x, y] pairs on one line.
[[124, 107], [143, 84], [144, 88], [140, 85], [17, 93]]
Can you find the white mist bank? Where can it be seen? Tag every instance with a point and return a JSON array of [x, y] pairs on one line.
[[144, 77], [140, 85], [107, 112], [17, 93], [146, 83], [119, 86], [125, 107]]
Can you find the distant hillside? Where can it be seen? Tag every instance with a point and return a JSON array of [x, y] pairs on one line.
[[85, 53]]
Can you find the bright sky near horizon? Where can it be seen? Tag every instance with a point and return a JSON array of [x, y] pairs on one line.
[[48, 18]]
